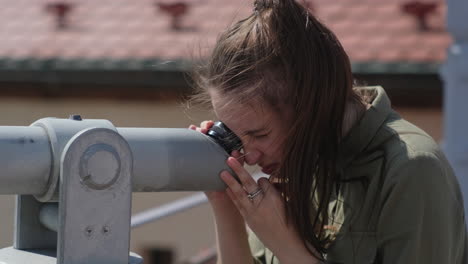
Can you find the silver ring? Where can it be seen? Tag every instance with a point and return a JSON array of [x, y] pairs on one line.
[[252, 195]]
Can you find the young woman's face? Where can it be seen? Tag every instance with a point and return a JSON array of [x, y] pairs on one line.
[[261, 129]]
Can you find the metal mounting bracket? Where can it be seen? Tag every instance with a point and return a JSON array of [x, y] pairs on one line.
[[95, 199]]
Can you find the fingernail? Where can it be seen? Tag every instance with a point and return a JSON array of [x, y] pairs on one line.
[[232, 160], [224, 175]]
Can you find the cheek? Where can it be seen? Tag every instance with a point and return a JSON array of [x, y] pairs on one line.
[[271, 147], [278, 145]]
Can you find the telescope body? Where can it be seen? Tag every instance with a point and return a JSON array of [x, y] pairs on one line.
[[74, 180], [164, 159]]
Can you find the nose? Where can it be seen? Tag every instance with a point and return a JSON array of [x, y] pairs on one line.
[[251, 155]]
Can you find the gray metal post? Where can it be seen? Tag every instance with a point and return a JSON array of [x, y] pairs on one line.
[[94, 207], [455, 76], [29, 231], [91, 168], [95, 199]]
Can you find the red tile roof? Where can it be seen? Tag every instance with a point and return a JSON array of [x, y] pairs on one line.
[[370, 30]]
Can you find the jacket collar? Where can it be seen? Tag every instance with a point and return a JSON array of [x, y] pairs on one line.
[[365, 130]]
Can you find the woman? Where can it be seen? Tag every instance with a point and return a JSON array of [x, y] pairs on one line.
[[353, 182]]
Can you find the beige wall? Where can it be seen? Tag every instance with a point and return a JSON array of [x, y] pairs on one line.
[[187, 232], [429, 119]]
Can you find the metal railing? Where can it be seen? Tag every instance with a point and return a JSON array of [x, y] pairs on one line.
[[168, 209], [205, 256]]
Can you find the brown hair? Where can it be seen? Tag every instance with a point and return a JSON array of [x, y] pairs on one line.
[[284, 45]]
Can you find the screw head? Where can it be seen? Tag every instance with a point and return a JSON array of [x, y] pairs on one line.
[[75, 117], [88, 231], [106, 230]]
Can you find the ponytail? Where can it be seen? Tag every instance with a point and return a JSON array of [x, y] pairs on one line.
[[283, 54]]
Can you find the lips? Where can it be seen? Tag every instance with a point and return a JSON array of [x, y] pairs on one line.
[[269, 169]]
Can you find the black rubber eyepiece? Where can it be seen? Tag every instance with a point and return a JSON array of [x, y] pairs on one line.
[[225, 137]]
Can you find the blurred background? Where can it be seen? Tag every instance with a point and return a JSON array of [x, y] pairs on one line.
[[128, 62]]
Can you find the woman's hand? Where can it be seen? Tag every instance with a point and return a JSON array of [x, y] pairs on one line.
[[231, 234], [262, 208], [218, 199]]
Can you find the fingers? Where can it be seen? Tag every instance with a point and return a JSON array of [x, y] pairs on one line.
[[238, 156], [269, 189], [235, 191], [207, 124], [246, 179], [264, 184], [204, 126], [237, 203]]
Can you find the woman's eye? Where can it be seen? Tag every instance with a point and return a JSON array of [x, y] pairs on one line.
[[260, 136]]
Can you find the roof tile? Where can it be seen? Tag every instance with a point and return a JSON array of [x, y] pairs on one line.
[[369, 30]]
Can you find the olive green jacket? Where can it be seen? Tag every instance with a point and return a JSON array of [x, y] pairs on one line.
[[399, 201]]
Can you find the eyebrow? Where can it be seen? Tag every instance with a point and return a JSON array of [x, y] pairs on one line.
[[254, 131]]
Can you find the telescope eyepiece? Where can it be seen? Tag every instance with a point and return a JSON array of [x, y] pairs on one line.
[[225, 137]]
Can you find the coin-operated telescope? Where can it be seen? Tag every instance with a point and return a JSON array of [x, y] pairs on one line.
[[74, 178]]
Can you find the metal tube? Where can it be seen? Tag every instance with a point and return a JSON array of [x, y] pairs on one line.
[[48, 216], [172, 159], [165, 159], [25, 160]]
